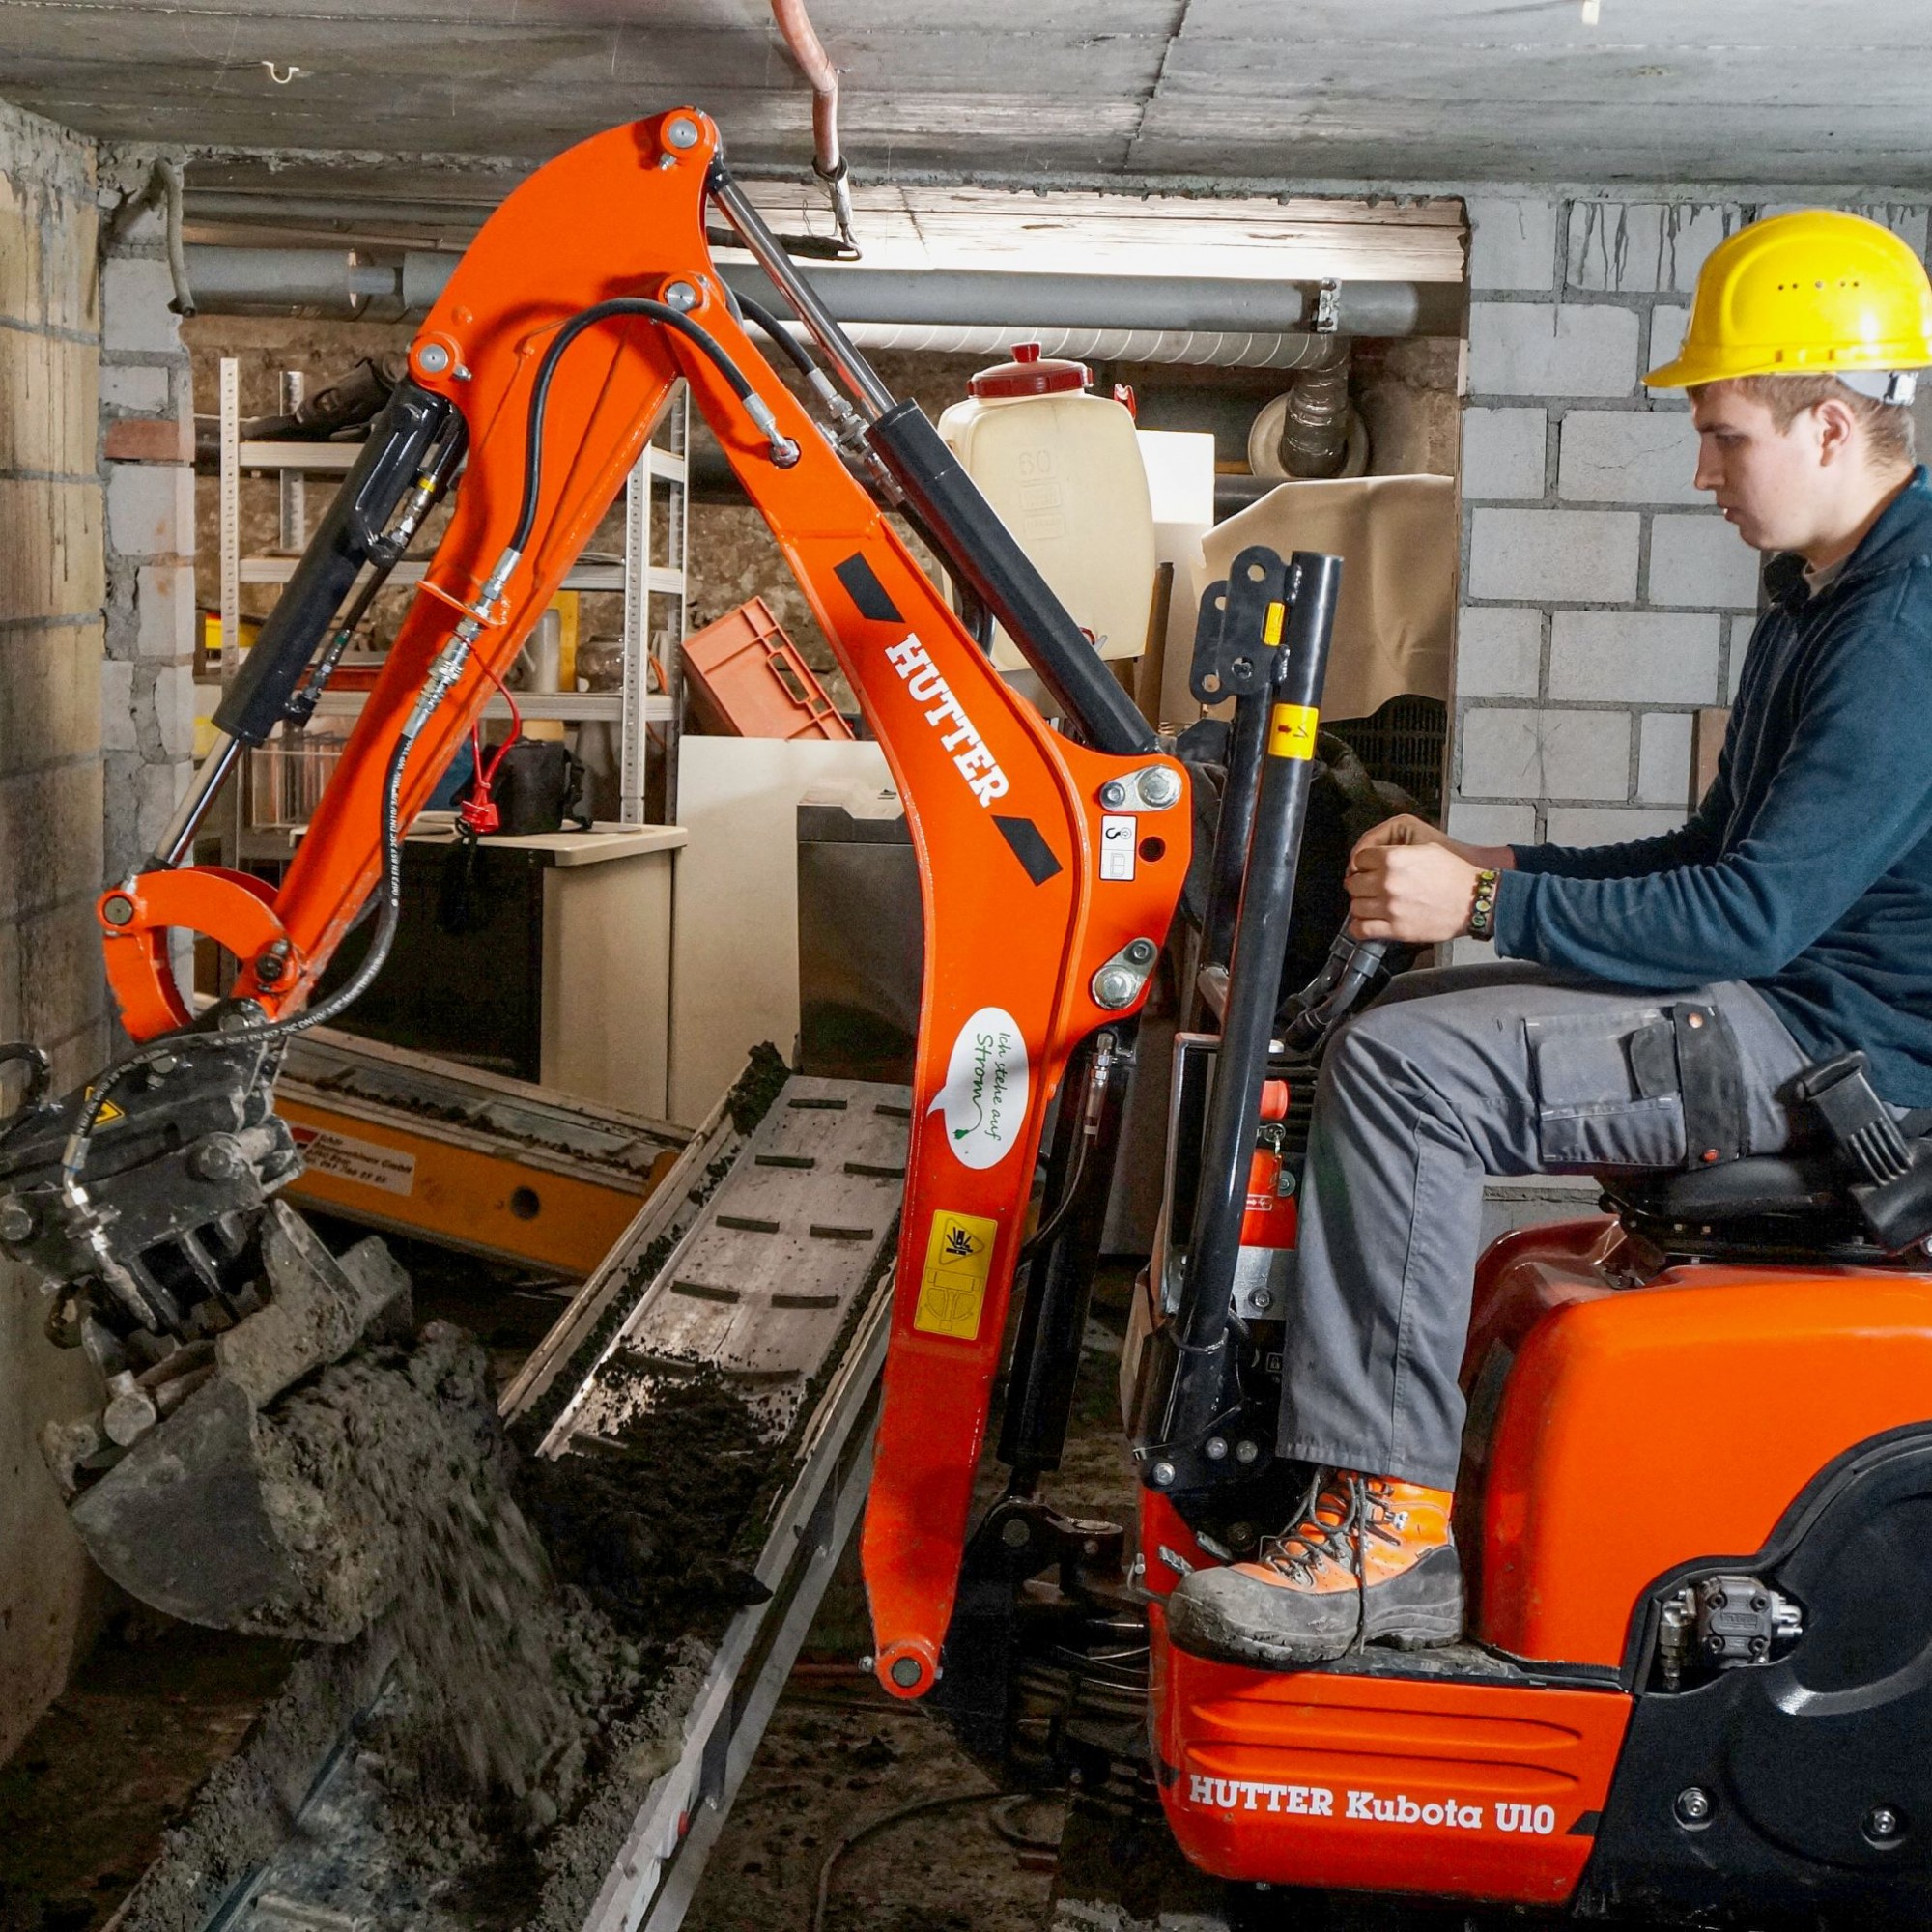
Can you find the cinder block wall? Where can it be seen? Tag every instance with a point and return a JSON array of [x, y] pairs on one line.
[[1603, 600], [147, 461], [50, 820]]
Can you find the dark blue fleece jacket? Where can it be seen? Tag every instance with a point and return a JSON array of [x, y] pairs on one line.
[[1807, 868]]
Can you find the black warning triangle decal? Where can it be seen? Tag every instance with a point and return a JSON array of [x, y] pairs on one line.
[[1029, 848], [862, 584]]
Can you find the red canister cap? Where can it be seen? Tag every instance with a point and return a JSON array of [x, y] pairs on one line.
[[1027, 374]]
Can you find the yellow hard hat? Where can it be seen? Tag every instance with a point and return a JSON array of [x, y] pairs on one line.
[[1814, 293]]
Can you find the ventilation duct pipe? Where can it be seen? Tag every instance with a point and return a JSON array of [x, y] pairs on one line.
[[1193, 347], [1315, 438], [1311, 429]]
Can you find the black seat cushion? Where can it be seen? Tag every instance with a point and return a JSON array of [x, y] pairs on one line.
[[1805, 1185]]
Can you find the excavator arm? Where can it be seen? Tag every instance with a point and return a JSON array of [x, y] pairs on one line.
[[551, 355]]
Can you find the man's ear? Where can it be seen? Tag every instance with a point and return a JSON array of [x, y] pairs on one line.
[[1836, 430]]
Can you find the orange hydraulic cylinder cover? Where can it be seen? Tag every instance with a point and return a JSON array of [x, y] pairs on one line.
[[1677, 1421]]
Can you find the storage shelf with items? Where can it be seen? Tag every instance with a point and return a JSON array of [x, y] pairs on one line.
[[628, 718]]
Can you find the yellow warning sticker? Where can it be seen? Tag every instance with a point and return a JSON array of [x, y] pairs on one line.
[[952, 1290], [109, 1112], [1271, 624], [1291, 731]]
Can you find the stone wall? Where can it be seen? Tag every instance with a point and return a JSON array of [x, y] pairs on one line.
[[51, 991], [147, 455], [1603, 600]]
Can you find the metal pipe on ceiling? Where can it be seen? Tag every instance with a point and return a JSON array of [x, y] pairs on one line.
[[235, 281], [239, 280], [1222, 305]]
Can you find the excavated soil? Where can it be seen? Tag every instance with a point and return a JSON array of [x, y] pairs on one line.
[[544, 1619], [646, 1524]]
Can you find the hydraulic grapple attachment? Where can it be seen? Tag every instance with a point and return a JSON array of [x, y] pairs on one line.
[[200, 1298]]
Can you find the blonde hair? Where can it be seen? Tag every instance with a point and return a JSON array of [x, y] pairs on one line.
[[1887, 426]]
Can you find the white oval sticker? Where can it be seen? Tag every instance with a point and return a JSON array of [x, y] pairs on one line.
[[984, 1098]]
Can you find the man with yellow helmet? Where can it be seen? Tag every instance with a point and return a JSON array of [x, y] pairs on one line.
[[1655, 1000]]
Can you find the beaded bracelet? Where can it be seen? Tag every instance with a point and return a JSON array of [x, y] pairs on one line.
[[1483, 914]]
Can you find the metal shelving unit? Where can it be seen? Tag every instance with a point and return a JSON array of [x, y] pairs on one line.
[[652, 585], [653, 589]]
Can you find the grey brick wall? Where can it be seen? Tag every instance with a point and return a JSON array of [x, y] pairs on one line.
[[147, 464], [1604, 601]]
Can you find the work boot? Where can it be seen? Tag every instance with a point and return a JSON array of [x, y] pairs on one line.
[[1368, 1560]]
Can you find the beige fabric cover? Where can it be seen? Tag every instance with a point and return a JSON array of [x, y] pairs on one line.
[[1396, 536]]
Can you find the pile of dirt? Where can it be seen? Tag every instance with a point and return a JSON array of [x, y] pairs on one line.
[[543, 1617], [647, 1522]]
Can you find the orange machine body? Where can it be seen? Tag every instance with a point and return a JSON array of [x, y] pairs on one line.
[[1621, 1427], [1326, 1778], [1003, 811]]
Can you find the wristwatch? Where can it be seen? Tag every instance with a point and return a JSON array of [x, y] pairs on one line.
[[1483, 914]]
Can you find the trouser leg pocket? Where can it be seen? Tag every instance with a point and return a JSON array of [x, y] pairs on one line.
[[1607, 1088]]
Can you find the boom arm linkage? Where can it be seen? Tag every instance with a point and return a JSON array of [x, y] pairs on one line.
[[1028, 951]]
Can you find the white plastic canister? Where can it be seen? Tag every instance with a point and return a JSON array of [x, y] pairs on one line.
[[1061, 468]]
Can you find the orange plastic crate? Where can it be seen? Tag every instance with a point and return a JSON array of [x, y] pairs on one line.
[[748, 680]]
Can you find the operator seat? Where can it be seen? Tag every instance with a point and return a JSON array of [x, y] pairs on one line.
[[1859, 1191], [1795, 1206]]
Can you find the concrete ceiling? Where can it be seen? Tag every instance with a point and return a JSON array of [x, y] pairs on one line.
[[1394, 91]]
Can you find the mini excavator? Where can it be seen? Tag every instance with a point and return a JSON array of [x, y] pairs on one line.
[[1696, 1506]]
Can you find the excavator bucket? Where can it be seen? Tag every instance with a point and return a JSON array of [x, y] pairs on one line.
[[210, 1516]]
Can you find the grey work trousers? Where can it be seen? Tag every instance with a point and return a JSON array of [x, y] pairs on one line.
[[1453, 1074]]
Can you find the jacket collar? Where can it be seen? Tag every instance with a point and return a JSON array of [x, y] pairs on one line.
[[1903, 533]]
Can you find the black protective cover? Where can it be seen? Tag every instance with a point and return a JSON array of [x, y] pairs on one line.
[[1799, 1756]]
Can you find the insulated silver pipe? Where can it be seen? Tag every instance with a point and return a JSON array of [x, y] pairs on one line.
[[1199, 349], [230, 280], [1315, 437]]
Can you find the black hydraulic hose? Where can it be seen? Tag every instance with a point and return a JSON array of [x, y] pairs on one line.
[[679, 323], [1070, 1199], [781, 334], [386, 551]]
